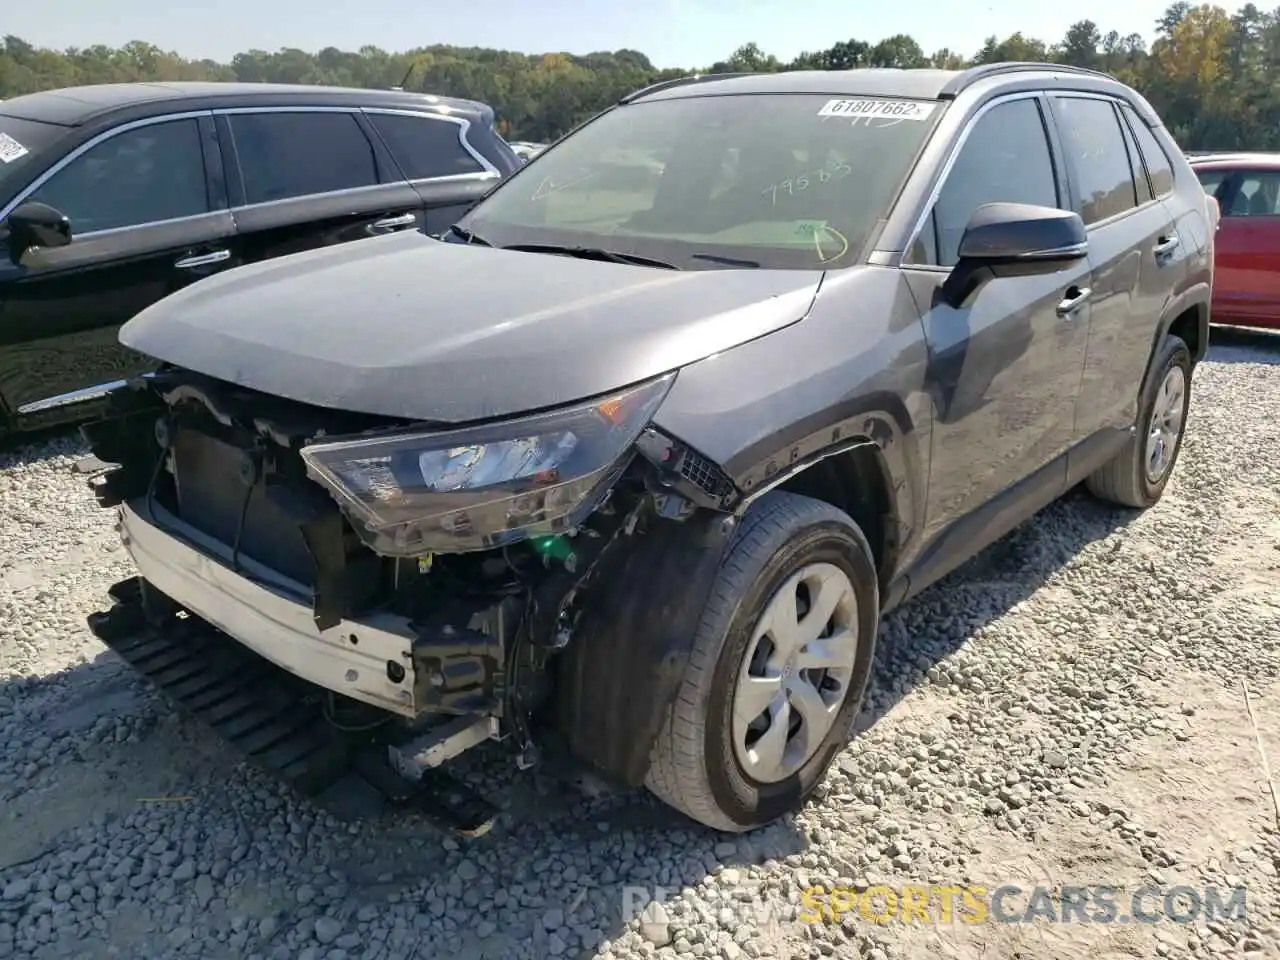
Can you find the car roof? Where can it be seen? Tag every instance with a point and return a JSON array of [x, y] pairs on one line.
[[1242, 159], [913, 84], [73, 106]]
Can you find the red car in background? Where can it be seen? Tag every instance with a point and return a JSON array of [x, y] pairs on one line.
[[1246, 274]]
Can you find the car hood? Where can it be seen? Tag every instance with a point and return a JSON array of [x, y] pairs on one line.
[[408, 326]]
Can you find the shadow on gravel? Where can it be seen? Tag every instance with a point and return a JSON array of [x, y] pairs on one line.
[[1244, 345], [919, 637], [35, 446]]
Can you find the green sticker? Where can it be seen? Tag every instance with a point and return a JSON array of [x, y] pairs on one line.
[[809, 228]]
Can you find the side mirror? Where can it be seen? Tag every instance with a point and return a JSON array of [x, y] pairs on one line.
[[36, 225], [1014, 240]]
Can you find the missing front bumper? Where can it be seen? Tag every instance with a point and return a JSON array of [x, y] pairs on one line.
[[383, 660], [369, 660]]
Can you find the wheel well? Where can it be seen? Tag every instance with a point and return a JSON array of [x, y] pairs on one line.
[[857, 482], [1189, 326]]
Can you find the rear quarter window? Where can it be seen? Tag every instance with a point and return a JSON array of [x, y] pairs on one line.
[[425, 147]]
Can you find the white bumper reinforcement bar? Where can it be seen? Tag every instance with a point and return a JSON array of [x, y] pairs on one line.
[[269, 614]]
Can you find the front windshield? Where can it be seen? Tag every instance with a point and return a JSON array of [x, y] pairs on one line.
[[792, 181], [22, 144]]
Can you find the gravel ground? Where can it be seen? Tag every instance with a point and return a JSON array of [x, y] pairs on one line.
[[1069, 708]]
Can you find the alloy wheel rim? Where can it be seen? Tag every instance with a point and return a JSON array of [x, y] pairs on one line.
[[1165, 425], [795, 673]]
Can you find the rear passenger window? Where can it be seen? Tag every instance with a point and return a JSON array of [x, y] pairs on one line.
[[1158, 166], [1092, 138], [285, 155], [1140, 182], [1257, 196], [1005, 159], [424, 147]]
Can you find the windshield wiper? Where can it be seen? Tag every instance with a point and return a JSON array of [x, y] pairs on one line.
[[727, 261], [592, 253], [468, 236]]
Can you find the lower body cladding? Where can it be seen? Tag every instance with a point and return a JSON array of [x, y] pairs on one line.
[[667, 643]]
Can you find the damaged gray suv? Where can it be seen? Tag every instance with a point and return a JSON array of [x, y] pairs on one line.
[[635, 459]]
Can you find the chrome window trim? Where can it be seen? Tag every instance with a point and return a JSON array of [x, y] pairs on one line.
[[490, 172], [948, 165], [92, 142], [463, 125]]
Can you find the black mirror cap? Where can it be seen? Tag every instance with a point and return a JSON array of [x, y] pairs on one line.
[[35, 224], [1023, 233]]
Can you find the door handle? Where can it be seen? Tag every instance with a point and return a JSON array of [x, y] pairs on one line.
[[1075, 299], [390, 223], [1166, 245], [203, 260]]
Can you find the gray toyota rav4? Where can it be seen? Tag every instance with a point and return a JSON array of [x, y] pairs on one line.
[[634, 460]]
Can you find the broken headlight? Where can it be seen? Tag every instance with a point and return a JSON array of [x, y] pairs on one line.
[[481, 487]]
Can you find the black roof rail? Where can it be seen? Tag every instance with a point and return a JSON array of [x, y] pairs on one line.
[[957, 84], [680, 82]]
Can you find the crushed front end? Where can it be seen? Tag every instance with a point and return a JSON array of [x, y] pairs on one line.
[[336, 592]]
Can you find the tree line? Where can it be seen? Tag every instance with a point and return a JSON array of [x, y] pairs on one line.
[[1211, 74]]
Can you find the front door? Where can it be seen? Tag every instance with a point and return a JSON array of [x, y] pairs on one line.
[[144, 223], [311, 178], [1005, 368]]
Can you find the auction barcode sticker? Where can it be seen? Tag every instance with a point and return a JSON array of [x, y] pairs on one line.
[[878, 109], [11, 149]]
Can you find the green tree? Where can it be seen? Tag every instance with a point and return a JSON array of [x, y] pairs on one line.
[[1209, 72]]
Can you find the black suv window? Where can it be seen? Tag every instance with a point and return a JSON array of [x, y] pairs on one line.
[[1005, 159], [284, 155], [1092, 136], [144, 175], [424, 147], [1158, 166]]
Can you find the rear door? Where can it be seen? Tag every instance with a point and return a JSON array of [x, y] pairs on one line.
[[1247, 249], [1134, 252], [435, 155], [148, 209], [311, 177]]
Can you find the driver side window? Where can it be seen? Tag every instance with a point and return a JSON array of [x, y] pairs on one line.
[[145, 175], [1005, 159]]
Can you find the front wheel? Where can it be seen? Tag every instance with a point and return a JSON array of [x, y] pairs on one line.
[[778, 669]]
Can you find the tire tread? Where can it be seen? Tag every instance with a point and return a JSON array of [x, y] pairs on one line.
[[676, 770]]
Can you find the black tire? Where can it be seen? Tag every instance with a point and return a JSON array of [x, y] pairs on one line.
[[693, 766], [1124, 480]]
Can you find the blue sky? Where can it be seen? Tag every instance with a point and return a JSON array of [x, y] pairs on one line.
[[671, 32]]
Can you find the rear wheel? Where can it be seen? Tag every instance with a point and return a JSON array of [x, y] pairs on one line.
[[1138, 475], [778, 669]]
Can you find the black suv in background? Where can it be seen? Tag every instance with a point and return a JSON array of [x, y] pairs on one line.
[[113, 196], [714, 382]]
